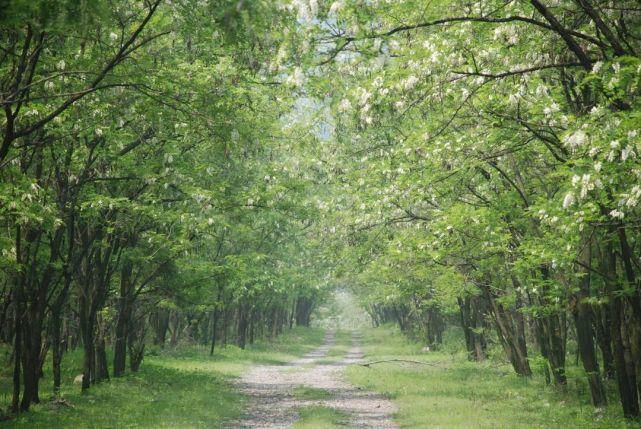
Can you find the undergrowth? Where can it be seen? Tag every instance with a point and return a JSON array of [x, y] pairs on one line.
[[445, 390], [182, 388]]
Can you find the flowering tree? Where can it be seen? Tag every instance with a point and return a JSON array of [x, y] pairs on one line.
[[498, 139]]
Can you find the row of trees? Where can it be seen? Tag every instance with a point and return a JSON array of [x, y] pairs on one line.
[[487, 162], [147, 183], [191, 167]]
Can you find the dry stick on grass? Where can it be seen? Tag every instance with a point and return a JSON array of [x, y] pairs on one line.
[[397, 360]]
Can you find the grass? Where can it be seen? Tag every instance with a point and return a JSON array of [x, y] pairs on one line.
[[310, 393], [341, 346], [450, 392], [319, 417], [187, 388], [181, 388]]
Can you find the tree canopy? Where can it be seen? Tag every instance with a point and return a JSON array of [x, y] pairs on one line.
[[213, 169]]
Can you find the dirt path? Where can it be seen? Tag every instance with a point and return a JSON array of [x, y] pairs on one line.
[[272, 404]]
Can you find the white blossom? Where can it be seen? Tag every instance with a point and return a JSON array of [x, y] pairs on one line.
[[313, 7], [576, 139], [365, 96], [335, 7], [541, 91], [553, 108], [344, 105], [616, 67], [627, 152], [617, 214], [410, 82], [297, 78], [568, 200], [586, 185], [304, 11], [633, 197]]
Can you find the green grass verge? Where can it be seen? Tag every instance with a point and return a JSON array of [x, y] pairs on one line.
[[319, 417], [181, 388], [451, 392]]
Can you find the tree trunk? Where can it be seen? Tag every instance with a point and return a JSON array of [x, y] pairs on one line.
[[474, 341], [626, 378], [56, 350], [17, 347], [551, 333], [87, 334], [31, 355], [225, 326], [214, 329], [511, 334], [175, 328], [304, 307], [585, 338], [136, 344], [602, 321], [160, 324], [216, 316], [124, 319], [632, 323], [241, 337], [102, 367], [252, 326], [17, 355]]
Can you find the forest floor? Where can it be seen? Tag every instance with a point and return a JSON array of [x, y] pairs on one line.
[[312, 392], [442, 389], [308, 379], [175, 388]]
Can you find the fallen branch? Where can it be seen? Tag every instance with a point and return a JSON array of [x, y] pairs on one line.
[[396, 360]]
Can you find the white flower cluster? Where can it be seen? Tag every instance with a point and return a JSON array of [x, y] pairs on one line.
[[297, 78], [335, 7], [507, 33], [632, 198], [568, 200], [576, 139], [617, 214], [409, 83], [307, 10], [587, 184]]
